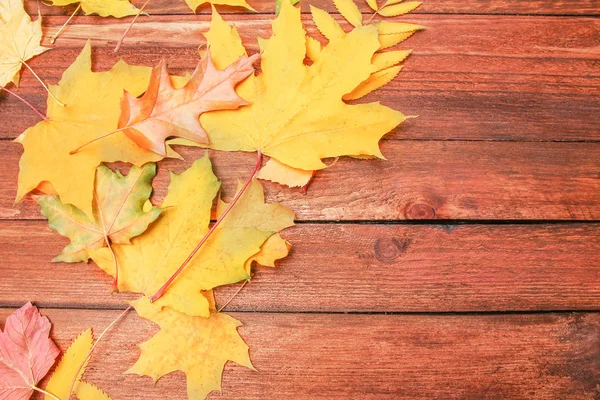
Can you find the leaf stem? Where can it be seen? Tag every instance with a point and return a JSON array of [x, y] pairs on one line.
[[164, 287], [93, 347], [108, 244], [42, 116], [305, 187], [120, 42], [233, 296], [43, 84], [62, 28], [115, 286], [98, 138], [44, 392], [374, 14]]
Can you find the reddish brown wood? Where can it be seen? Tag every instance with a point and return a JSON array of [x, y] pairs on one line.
[[543, 356], [420, 180], [471, 78], [520, 7], [477, 83], [358, 268]]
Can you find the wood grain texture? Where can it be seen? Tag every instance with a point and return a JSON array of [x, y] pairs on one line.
[[519, 7], [544, 356], [508, 130], [354, 268], [470, 78], [420, 180]]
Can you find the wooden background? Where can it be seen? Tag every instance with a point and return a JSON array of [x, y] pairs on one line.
[[466, 266]]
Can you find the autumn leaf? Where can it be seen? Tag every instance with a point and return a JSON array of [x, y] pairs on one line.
[[194, 4], [87, 391], [273, 249], [117, 209], [393, 33], [297, 114], [325, 23], [20, 39], [86, 116], [393, 8], [154, 256], [104, 8], [350, 11], [198, 346], [278, 5], [164, 111], [26, 353], [373, 5], [275, 171], [68, 369]]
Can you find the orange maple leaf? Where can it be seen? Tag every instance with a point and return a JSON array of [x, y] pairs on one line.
[[164, 111]]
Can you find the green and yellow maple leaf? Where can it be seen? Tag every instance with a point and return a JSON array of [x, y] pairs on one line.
[[154, 256], [198, 346], [20, 39], [104, 8], [297, 114], [92, 110], [117, 207]]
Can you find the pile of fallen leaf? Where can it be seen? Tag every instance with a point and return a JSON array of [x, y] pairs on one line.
[[295, 112]]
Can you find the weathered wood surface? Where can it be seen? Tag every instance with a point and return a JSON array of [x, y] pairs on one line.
[[420, 180], [543, 356], [519, 7], [475, 78], [499, 98], [354, 268]]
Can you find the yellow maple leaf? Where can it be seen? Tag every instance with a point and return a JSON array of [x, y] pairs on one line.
[[200, 347], [349, 10], [70, 367], [297, 114], [20, 39], [154, 256], [104, 8], [194, 4], [87, 391], [273, 249], [391, 8], [275, 171], [92, 109]]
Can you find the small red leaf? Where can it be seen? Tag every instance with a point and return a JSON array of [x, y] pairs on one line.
[[26, 353]]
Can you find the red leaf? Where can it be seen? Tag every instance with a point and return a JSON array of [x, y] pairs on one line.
[[26, 353], [164, 111]]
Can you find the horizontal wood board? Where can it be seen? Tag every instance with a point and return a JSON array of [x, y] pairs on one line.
[[476, 78], [519, 7], [334, 356], [354, 268], [419, 180]]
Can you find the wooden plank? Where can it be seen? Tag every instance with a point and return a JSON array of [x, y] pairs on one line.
[[481, 78], [302, 356], [520, 7], [376, 268], [420, 180]]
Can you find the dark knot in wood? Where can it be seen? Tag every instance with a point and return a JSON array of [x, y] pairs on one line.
[[387, 250], [420, 211]]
